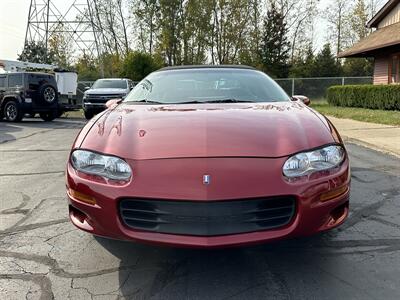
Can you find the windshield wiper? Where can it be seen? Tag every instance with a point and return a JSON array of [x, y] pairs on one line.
[[146, 101], [229, 100]]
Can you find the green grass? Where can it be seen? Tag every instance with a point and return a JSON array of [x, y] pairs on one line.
[[387, 117]]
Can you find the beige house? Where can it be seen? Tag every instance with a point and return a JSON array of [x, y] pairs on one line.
[[383, 44]]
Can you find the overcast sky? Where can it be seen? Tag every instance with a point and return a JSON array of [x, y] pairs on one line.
[[14, 15]]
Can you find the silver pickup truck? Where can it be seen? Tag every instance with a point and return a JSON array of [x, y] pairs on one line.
[[95, 97]]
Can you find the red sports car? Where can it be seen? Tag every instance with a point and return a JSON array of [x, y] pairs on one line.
[[205, 156]]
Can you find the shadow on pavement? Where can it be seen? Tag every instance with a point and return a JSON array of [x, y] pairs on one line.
[[245, 273], [6, 130]]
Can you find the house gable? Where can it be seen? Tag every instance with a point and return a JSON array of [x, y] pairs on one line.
[[385, 16], [391, 18]]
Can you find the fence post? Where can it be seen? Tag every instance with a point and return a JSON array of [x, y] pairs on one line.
[[292, 86], [342, 80]]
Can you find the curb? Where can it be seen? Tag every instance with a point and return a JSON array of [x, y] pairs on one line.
[[370, 146]]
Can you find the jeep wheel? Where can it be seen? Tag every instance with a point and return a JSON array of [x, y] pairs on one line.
[[48, 93], [12, 112], [48, 116], [88, 114]]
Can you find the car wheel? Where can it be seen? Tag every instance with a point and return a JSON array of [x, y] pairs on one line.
[[12, 112], [88, 114], [48, 116], [60, 113], [48, 93]]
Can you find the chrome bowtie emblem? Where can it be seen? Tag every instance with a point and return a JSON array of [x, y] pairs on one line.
[[206, 179]]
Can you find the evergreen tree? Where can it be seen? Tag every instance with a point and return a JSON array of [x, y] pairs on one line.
[[358, 67], [325, 63], [275, 47], [303, 67], [36, 52]]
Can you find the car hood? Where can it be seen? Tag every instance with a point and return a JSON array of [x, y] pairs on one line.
[[106, 91], [208, 130]]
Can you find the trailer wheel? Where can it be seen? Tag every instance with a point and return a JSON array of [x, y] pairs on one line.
[[88, 114], [48, 116]]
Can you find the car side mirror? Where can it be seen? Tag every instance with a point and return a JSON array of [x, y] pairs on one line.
[[303, 99], [113, 102]]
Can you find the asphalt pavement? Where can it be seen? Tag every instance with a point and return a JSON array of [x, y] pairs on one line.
[[43, 256]]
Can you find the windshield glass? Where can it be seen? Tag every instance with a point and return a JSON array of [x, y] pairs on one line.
[[110, 84], [207, 85]]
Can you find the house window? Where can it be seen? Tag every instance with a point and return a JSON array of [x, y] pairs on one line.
[[394, 69]]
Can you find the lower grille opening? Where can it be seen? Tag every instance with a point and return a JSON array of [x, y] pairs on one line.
[[207, 218]]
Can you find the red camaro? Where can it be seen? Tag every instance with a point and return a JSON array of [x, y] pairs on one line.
[[206, 156]]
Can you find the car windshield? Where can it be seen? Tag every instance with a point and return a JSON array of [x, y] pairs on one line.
[[204, 85], [110, 84]]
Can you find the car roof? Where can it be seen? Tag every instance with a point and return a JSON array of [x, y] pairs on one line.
[[186, 67]]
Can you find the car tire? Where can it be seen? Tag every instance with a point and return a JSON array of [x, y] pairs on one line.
[[88, 114], [12, 111], [48, 94], [48, 116]]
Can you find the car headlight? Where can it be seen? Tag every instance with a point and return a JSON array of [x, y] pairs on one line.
[[110, 167], [317, 160]]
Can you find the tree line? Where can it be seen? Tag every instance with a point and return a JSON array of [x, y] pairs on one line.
[[275, 36]]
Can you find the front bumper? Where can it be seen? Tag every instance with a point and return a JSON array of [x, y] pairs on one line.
[[94, 106], [233, 179]]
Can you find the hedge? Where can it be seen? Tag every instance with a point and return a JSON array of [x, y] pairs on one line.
[[385, 97]]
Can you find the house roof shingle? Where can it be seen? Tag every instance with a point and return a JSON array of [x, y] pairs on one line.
[[382, 38]]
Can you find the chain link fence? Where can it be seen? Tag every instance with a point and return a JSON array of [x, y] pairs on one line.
[[315, 88]]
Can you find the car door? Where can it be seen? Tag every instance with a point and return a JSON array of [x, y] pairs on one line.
[[3, 85], [131, 84]]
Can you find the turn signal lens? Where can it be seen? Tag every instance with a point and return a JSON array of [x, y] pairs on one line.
[[82, 197], [333, 194]]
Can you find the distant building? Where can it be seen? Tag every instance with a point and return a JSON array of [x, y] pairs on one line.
[[383, 44]]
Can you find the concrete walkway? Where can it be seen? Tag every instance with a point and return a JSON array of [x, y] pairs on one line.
[[384, 138]]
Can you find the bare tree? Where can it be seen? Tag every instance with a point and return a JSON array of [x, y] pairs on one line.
[[146, 18], [230, 25], [337, 17], [299, 16]]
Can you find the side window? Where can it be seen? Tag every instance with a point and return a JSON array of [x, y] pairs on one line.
[[2, 81], [395, 69], [15, 80]]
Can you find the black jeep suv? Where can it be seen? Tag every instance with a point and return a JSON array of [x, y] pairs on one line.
[[28, 93]]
